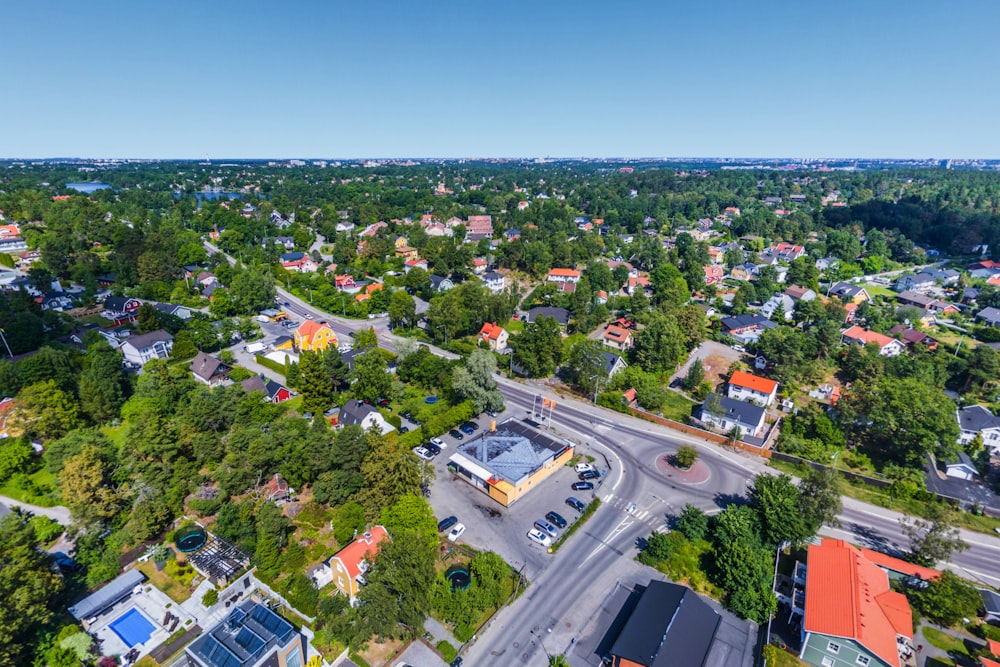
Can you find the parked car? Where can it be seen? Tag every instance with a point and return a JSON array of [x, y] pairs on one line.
[[446, 523], [738, 348], [404, 429], [493, 413], [539, 537], [456, 532], [432, 448], [439, 442], [556, 519], [466, 429], [576, 504], [455, 433], [547, 528], [471, 424], [584, 467], [383, 402], [309, 316], [588, 474], [583, 486], [422, 453], [457, 662]]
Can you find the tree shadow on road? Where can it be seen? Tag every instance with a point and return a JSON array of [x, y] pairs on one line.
[[724, 500]]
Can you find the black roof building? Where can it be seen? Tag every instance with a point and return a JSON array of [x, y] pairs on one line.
[[561, 315], [670, 627]]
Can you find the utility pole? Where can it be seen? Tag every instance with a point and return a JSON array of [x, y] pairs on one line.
[[4, 339]]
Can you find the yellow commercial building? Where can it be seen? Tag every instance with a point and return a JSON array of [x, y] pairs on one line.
[[510, 461]]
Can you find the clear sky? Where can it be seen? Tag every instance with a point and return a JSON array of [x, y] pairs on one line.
[[385, 78]]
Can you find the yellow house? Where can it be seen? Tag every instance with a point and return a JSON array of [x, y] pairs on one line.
[[314, 336], [346, 568]]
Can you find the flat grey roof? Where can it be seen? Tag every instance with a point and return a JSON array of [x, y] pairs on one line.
[[115, 590]]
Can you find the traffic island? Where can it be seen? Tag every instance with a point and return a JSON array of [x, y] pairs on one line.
[[697, 473]]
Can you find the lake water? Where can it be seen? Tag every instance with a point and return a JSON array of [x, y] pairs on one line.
[[87, 188]]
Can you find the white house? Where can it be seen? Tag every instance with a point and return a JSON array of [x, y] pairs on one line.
[[154, 345], [725, 413], [365, 416], [964, 468], [976, 420], [785, 302], [887, 347], [493, 281], [748, 387]]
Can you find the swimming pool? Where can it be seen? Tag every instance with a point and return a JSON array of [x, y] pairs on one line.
[[133, 628]]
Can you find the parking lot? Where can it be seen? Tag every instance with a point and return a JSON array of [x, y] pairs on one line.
[[490, 525]]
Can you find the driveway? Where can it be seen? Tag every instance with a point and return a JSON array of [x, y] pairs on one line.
[[716, 358], [57, 513]]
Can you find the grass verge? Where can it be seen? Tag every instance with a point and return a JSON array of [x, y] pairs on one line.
[[945, 642], [588, 511]]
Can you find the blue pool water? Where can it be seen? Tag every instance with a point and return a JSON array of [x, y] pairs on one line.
[[133, 628]]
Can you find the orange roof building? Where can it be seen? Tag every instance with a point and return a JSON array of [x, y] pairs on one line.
[[852, 617], [887, 347], [752, 388], [563, 276], [348, 566], [618, 338], [495, 335], [314, 336]]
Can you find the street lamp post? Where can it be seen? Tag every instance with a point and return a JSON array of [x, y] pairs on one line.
[[541, 642]]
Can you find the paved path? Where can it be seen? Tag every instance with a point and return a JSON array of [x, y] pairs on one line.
[[57, 513]]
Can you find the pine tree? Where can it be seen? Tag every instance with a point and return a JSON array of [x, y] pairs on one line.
[[103, 384], [314, 383]]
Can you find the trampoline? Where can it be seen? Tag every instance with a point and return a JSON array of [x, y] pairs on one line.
[[191, 539], [133, 628], [458, 577], [430, 400]]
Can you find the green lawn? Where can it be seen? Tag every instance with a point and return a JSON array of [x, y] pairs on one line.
[[39, 490], [879, 290], [777, 657], [677, 407], [945, 642]]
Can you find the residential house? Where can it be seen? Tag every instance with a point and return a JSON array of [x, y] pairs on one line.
[[493, 281], [800, 293], [787, 251], [991, 605], [175, 309], [825, 263], [963, 468], [479, 265], [346, 283], [916, 299], [495, 336], [989, 316], [404, 249], [887, 347], [745, 272], [121, 309], [782, 301], [138, 350], [635, 283], [563, 276], [561, 315], [512, 234], [671, 625], [441, 283], [726, 414], [251, 635], [612, 364], [299, 262], [373, 229], [975, 420], [314, 336], [748, 387], [713, 274], [210, 370], [415, 264], [746, 327], [367, 292], [347, 567], [618, 338], [852, 617], [601, 297], [287, 242], [345, 226], [361, 414], [273, 391], [849, 292], [480, 225], [943, 276], [920, 282], [911, 337]]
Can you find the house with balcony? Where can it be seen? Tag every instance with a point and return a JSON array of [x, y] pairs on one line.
[[887, 347], [138, 350], [745, 386], [210, 370], [121, 309], [975, 420], [346, 569], [493, 281], [563, 276]]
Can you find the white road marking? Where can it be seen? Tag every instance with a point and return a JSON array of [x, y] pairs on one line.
[[615, 532]]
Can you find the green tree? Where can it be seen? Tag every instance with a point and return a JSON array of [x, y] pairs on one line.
[[402, 310], [947, 599], [693, 523], [474, 381], [743, 567], [776, 500], [44, 411], [397, 598], [15, 455], [686, 456], [184, 347], [660, 346], [371, 381], [103, 383], [390, 472], [584, 365], [695, 376], [934, 538], [86, 487], [28, 590], [365, 337], [314, 383], [251, 291], [819, 499], [538, 349]]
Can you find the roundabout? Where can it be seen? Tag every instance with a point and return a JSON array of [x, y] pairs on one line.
[[698, 473]]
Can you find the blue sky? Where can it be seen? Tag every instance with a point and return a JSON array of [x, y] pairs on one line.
[[389, 78]]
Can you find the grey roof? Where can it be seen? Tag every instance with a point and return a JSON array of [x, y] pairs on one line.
[[292, 256], [514, 450], [561, 315], [244, 638], [670, 625], [976, 418], [492, 276], [112, 592], [739, 411], [145, 340], [967, 493], [846, 289], [610, 360], [916, 298], [206, 366], [991, 315], [351, 355], [991, 600], [746, 321], [355, 412]]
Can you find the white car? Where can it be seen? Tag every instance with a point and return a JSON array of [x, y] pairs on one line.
[[423, 453], [539, 537], [309, 316], [456, 532], [439, 442], [584, 467]]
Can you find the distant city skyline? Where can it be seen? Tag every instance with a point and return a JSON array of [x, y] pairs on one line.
[[308, 79]]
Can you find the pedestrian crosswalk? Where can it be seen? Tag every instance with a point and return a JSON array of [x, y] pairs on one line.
[[654, 518]]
